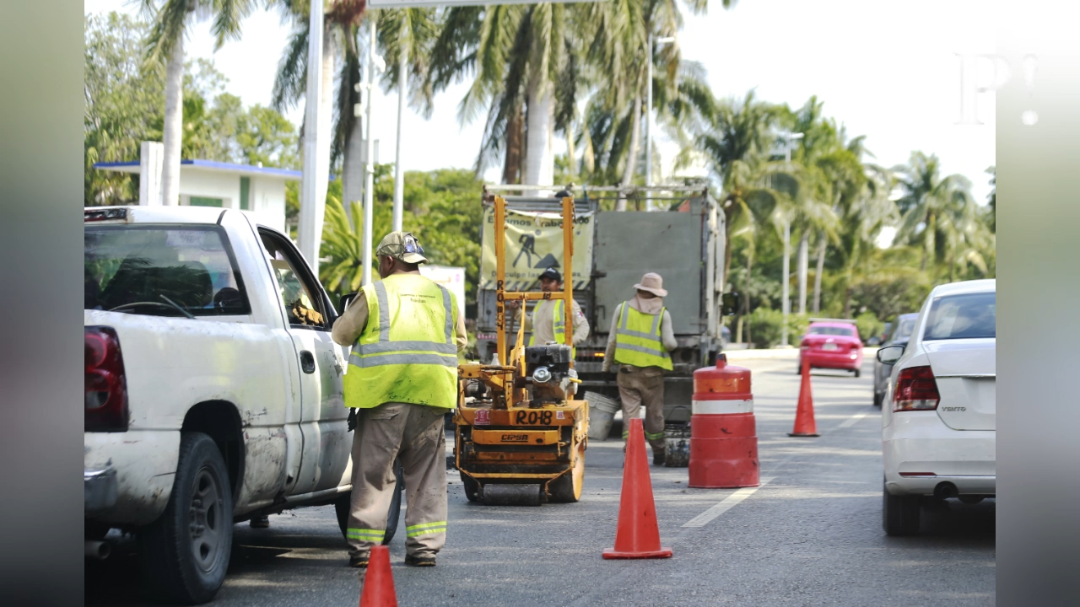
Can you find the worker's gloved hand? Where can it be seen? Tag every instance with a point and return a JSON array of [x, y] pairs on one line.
[[352, 419]]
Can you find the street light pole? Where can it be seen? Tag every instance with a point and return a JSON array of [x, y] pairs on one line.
[[648, 115], [786, 303], [311, 202]]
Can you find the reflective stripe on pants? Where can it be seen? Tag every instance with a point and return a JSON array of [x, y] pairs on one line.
[[413, 433]]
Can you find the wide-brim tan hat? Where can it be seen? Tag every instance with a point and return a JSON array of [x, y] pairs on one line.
[[653, 283], [401, 245]]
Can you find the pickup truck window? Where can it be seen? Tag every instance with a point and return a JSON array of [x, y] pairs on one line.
[[302, 305], [156, 269]]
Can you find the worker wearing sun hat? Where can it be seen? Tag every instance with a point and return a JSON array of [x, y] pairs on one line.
[[639, 343], [405, 331]]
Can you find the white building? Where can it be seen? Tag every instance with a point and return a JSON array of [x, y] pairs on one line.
[[255, 189]]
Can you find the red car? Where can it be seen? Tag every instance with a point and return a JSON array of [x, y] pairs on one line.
[[832, 345]]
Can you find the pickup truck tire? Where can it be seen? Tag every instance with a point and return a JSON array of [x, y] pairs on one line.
[[185, 553], [343, 506]]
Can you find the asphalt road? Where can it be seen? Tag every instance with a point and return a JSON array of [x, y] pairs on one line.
[[810, 535]]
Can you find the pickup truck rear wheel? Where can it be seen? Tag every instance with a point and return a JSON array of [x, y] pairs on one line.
[[185, 553], [343, 506]]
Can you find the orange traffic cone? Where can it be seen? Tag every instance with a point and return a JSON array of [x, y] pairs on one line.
[[379, 581], [804, 414], [638, 534]]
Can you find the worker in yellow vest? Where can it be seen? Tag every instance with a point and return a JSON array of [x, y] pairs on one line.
[[639, 343], [548, 320], [405, 331]]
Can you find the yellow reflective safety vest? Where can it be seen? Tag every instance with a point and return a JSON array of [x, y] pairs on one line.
[[407, 351], [558, 325], [637, 339]]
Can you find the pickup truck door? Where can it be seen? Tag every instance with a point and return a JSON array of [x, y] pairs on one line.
[[327, 444]]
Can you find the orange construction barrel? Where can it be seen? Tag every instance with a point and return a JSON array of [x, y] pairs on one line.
[[723, 433]]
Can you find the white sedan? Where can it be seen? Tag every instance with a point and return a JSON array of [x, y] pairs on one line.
[[938, 422]]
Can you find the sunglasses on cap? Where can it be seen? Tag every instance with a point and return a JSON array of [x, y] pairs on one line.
[[412, 245]]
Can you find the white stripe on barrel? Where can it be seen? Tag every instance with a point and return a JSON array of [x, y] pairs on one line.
[[722, 407]]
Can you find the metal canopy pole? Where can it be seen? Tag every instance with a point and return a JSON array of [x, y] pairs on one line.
[[369, 167], [399, 171]]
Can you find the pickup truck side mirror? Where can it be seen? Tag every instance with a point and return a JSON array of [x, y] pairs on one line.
[[345, 301], [890, 354], [729, 303]]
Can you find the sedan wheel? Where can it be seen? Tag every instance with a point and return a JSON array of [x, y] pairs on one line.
[[900, 513]]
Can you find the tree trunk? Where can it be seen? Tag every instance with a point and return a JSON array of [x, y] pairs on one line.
[[746, 300], [540, 134], [928, 249], [172, 137], [570, 162], [631, 156], [847, 300], [803, 268], [515, 136], [817, 276]]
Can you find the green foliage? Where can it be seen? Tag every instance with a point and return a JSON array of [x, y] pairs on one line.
[[441, 208], [125, 105], [869, 326]]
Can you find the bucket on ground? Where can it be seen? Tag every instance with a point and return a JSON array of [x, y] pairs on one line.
[[723, 433], [602, 411], [677, 448]]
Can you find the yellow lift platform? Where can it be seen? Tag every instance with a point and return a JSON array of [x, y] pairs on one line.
[[517, 422]]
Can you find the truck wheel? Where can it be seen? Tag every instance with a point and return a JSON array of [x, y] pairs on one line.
[[472, 487], [900, 513], [343, 506], [185, 553], [567, 488], [878, 398]]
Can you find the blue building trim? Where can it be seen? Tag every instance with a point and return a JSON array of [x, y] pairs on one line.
[[211, 164]]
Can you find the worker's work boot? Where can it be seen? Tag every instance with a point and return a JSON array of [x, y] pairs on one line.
[[658, 458], [419, 561], [358, 562], [260, 522]]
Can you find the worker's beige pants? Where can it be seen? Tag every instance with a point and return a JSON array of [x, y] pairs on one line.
[[413, 433], [643, 386]]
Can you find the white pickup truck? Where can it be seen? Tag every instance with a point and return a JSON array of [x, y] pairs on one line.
[[213, 388]]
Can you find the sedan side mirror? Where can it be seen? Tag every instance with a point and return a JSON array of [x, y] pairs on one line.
[[890, 354], [345, 301], [729, 303]]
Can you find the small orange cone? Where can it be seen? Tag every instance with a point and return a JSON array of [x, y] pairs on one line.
[[638, 534], [804, 414], [379, 581]]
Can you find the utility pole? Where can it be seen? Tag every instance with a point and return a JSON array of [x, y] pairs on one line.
[[311, 203], [369, 167], [648, 115]]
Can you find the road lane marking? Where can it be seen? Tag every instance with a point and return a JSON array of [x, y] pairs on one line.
[[852, 421], [726, 504]]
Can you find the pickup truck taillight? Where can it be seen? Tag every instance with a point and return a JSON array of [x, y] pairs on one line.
[[106, 386], [916, 390]]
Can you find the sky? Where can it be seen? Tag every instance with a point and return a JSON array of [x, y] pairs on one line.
[[885, 69]]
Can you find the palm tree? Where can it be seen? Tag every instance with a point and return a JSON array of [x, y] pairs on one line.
[[736, 142], [165, 44], [929, 204], [522, 56], [341, 24]]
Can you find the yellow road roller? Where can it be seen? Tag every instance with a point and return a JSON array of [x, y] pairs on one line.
[[517, 421]]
